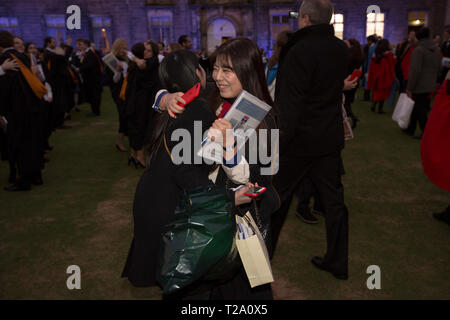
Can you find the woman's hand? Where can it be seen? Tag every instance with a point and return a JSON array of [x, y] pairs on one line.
[[349, 85], [141, 63], [119, 67], [222, 132], [170, 101], [240, 198], [10, 64]]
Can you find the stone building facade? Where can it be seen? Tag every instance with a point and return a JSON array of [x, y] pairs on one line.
[[208, 22]]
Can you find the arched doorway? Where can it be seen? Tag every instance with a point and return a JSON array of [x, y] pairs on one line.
[[218, 30]]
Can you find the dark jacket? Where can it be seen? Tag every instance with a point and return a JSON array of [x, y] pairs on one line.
[[158, 193], [313, 66], [425, 66], [90, 69]]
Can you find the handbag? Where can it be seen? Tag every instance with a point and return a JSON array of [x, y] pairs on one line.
[[403, 110], [253, 252], [199, 243]]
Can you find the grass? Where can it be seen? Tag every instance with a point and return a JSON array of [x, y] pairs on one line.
[[82, 216]]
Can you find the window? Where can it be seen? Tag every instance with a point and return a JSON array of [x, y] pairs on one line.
[[160, 25], [161, 29], [279, 21], [101, 27], [11, 24], [337, 20], [56, 27], [375, 24]]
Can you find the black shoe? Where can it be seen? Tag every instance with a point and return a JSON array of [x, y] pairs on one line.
[[306, 216], [18, 187], [372, 109], [131, 160], [139, 164], [92, 114], [442, 216], [381, 112], [318, 263], [121, 150]]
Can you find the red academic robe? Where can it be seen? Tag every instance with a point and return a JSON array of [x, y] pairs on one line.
[[435, 145], [406, 63], [381, 76]]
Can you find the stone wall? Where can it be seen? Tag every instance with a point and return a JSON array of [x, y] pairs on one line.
[[130, 17]]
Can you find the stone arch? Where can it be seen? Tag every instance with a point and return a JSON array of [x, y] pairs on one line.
[[229, 27]]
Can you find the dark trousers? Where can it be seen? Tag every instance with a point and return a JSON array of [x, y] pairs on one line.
[[94, 97], [325, 172], [305, 191], [420, 111]]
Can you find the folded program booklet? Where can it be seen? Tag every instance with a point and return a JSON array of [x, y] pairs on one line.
[[245, 115], [111, 61]]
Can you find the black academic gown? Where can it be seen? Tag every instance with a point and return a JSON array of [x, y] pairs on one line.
[[142, 88], [58, 76], [157, 195], [91, 71], [115, 88], [22, 109]]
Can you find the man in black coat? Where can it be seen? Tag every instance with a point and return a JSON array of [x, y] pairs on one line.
[[91, 71], [310, 80]]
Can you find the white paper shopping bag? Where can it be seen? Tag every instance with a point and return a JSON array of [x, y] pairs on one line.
[[253, 252], [403, 110]]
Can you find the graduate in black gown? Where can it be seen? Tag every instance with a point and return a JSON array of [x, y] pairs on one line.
[[91, 69], [57, 76], [8, 64], [21, 93], [143, 83], [115, 81]]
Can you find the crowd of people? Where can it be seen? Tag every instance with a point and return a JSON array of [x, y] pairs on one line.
[[306, 87]]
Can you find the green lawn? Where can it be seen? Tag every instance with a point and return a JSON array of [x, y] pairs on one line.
[[82, 216]]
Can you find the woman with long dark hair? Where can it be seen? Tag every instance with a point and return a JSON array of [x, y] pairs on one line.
[[142, 85], [381, 74], [237, 66], [162, 184]]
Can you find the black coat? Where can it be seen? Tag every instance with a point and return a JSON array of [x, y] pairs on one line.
[[22, 109], [310, 79], [140, 95], [90, 69], [158, 193]]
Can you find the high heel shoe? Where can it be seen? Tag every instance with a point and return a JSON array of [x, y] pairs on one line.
[[131, 160], [138, 164]]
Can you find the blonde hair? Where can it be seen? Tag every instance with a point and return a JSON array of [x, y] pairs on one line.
[[118, 45]]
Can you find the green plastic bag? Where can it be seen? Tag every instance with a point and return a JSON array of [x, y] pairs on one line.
[[199, 243]]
